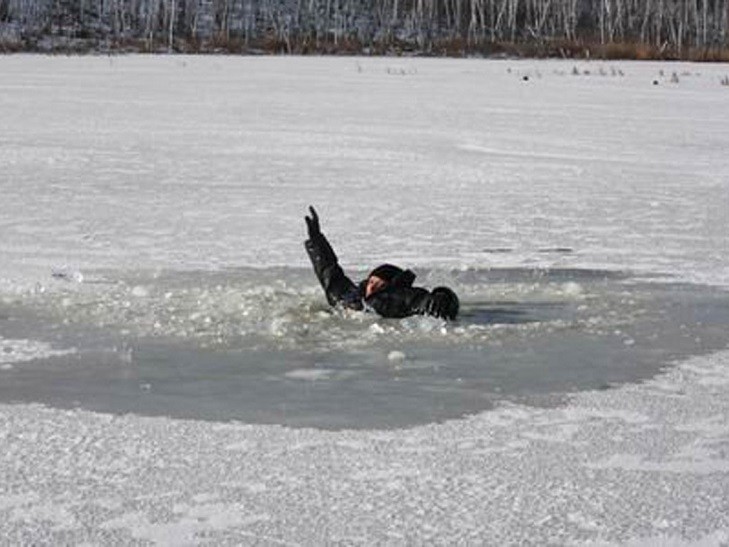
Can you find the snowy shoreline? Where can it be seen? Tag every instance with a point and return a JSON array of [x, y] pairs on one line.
[[182, 163], [638, 465]]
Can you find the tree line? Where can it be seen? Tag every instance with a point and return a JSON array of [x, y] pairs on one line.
[[629, 28]]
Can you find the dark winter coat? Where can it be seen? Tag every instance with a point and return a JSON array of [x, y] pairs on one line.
[[398, 299]]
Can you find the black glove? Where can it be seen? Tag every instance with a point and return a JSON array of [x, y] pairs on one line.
[[443, 303], [313, 224]]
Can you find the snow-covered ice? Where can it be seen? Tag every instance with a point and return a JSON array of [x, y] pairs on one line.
[[135, 167]]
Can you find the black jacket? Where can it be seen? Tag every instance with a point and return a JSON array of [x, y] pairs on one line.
[[398, 299]]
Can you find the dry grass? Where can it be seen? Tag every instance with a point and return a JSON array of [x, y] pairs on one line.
[[711, 55], [272, 43], [7, 46]]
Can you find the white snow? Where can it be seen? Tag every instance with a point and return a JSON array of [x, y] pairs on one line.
[[187, 163]]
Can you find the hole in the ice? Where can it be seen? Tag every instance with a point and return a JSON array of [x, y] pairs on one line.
[[498, 250], [508, 313], [262, 346], [557, 250]]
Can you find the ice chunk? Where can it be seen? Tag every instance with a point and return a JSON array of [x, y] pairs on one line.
[[396, 356], [140, 291], [310, 374]]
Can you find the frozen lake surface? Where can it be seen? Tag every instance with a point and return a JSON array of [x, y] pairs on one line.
[[225, 346], [151, 243]]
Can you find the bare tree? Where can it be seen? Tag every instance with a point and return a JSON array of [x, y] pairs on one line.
[[425, 24]]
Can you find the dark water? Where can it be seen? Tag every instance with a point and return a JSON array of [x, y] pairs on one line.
[[219, 347]]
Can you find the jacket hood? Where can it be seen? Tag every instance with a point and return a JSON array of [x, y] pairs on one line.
[[394, 275]]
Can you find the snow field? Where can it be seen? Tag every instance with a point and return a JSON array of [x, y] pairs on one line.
[[188, 163], [640, 465]]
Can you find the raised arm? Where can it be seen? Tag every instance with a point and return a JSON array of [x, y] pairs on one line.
[[337, 286]]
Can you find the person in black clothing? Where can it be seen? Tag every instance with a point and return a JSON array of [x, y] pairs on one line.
[[388, 290]]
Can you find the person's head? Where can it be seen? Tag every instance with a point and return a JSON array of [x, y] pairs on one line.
[[380, 278]]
